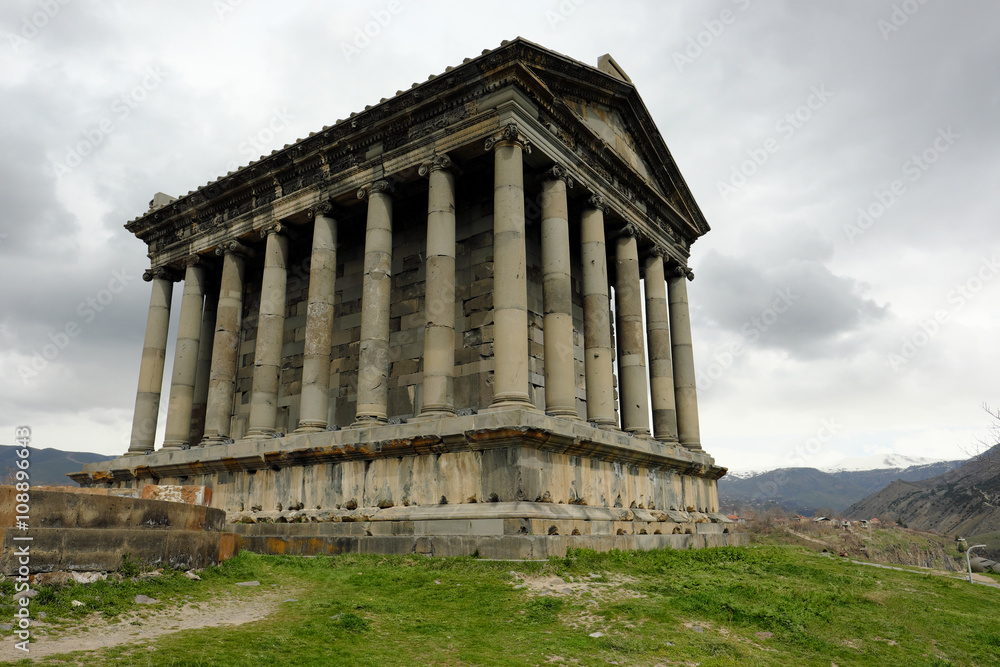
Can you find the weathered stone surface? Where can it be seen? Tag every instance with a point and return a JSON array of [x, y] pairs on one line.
[[395, 342], [192, 495]]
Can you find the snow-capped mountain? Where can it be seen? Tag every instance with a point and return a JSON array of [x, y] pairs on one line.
[[884, 461]]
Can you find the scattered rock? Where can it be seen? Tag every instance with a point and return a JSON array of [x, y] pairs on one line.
[[248, 583], [148, 575], [89, 577], [29, 593], [292, 600], [54, 578], [698, 628], [191, 575], [596, 634], [76, 603], [437, 581], [765, 635], [42, 614], [143, 599]]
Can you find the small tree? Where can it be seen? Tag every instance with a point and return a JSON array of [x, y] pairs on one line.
[[987, 450]]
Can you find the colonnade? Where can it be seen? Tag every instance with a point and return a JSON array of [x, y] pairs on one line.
[[203, 382]]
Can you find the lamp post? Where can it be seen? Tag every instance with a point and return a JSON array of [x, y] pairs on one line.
[[968, 561]]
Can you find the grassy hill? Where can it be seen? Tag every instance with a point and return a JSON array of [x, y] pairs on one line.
[[769, 604]]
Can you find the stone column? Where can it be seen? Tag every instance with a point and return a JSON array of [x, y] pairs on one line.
[[204, 369], [661, 375], [439, 303], [632, 348], [510, 281], [685, 394], [598, 358], [560, 373], [226, 346], [315, 403], [154, 353], [374, 362], [178, 431], [270, 332]]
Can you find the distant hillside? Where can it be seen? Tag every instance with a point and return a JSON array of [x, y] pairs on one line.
[[48, 466], [804, 490], [964, 501]]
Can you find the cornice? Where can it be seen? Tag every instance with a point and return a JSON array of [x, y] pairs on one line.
[[415, 116]]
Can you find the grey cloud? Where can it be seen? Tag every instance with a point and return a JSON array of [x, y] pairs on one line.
[[798, 306]]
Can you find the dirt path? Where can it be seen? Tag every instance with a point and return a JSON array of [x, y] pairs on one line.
[[97, 633]]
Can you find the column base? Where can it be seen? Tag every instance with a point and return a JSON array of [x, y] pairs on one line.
[[564, 414], [693, 446], [208, 441], [432, 415], [138, 453], [366, 421], [173, 446], [510, 402], [639, 433], [310, 427], [259, 434]]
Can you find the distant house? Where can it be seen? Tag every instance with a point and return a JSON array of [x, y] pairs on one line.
[[874, 522], [735, 517], [800, 518], [863, 523], [821, 519]]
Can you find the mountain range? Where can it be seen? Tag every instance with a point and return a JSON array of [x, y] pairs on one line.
[[46, 466], [964, 501], [806, 490]]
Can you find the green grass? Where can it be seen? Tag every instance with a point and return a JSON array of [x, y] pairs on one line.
[[667, 607]]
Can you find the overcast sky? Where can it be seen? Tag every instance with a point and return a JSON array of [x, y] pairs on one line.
[[846, 155]]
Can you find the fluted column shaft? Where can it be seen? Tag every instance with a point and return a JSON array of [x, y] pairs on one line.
[[598, 358], [204, 368], [270, 332], [439, 334], [374, 362], [560, 373], [178, 431], [154, 352], [685, 393], [315, 404], [661, 375], [631, 346], [225, 347], [510, 285]]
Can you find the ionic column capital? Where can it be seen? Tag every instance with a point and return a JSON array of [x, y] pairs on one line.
[[598, 203], [161, 273], [234, 248], [660, 251], [323, 207], [380, 186], [630, 230], [273, 228], [509, 136], [684, 271], [436, 163], [195, 260], [558, 173]]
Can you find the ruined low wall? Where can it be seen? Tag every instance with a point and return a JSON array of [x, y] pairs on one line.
[[93, 532]]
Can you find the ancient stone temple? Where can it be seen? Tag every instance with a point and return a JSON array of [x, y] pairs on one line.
[[456, 321]]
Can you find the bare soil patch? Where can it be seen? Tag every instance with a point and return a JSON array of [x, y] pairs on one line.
[[95, 632]]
